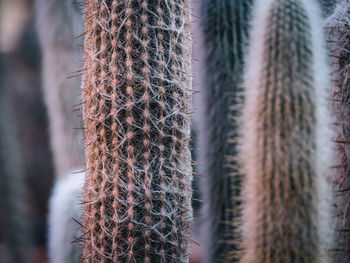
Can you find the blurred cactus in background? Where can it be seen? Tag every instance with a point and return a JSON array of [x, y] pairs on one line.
[[18, 232], [137, 95], [264, 129], [225, 38], [328, 6], [59, 25], [338, 27], [286, 141], [25, 167], [65, 214]]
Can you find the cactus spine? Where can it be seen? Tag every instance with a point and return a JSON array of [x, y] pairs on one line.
[[338, 26], [225, 30], [286, 139], [136, 112]]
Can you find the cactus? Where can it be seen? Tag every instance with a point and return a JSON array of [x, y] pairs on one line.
[[328, 6], [59, 23], [225, 30], [65, 206], [338, 26], [137, 94], [17, 233], [286, 140]]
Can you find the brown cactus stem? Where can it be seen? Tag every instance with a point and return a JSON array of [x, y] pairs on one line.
[[338, 29], [137, 98], [286, 136]]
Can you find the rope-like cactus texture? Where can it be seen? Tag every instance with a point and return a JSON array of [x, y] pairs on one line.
[[338, 27], [59, 25], [137, 95], [286, 139], [225, 34]]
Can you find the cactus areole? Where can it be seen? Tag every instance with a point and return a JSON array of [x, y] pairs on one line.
[[137, 96]]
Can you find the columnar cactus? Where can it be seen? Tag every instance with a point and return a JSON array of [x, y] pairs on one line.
[[338, 26], [225, 35], [59, 24], [286, 141], [18, 232], [137, 89]]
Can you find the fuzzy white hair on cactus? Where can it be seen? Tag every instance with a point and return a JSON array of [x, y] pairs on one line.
[[65, 215]]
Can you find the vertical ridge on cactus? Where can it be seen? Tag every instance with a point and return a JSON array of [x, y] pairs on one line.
[[286, 141], [137, 95], [338, 27], [225, 30]]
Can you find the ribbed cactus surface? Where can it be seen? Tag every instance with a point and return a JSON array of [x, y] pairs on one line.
[[286, 140], [137, 89], [225, 34], [338, 27]]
